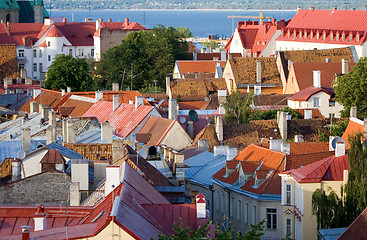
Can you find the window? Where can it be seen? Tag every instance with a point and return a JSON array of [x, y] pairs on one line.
[[288, 194], [21, 53], [48, 43], [40, 53], [316, 102], [300, 34], [324, 36], [254, 213], [40, 67], [311, 35], [222, 202], [70, 51], [34, 53], [246, 212], [20, 66], [49, 57], [350, 38], [231, 206], [288, 226], [317, 35], [81, 52], [343, 37], [34, 67], [271, 217], [239, 211], [357, 38], [331, 115], [337, 37], [331, 103], [331, 36], [92, 52], [305, 35]]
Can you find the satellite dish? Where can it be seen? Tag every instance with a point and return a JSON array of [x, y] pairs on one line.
[[143, 153], [335, 140], [193, 115], [133, 137], [182, 119], [132, 146], [21, 154]]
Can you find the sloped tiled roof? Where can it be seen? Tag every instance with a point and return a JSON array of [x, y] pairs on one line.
[[19, 32], [198, 66], [309, 128], [354, 126], [328, 169], [271, 99], [157, 128], [54, 32], [8, 62], [123, 120], [306, 93], [92, 151], [124, 96], [244, 70], [209, 134], [74, 106], [316, 114], [188, 105], [47, 97], [53, 156], [357, 229], [302, 159]]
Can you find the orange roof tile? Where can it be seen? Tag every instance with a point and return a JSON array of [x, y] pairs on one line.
[[357, 229], [354, 126], [157, 127], [47, 97], [298, 160], [124, 96], [54, 32], [198, 66]]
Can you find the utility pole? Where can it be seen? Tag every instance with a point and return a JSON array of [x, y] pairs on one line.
[[132, 76]]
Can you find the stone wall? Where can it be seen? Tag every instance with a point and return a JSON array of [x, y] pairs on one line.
[[8, 62], [46, 188]]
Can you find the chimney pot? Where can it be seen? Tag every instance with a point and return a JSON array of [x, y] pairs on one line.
[[68, 89], [62, 92], [127, 21], [25, 232], [317, 79], [340, 149], [116, 102]]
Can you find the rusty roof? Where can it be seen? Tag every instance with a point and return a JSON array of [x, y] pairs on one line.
[[124, 96], [53, 156], [198, 66], [271, 99], [92, 151], [299, 160], [357, 229], [47, 97], [309, 128], [209, 134], [8, 62], [157, 127], [244, 70]]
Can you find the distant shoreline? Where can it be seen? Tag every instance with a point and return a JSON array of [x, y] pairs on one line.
[[235, 10]]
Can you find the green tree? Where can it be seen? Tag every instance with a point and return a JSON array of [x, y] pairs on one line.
[[187, 233], [238, 108], [141, 58], [185, 32], [350, 89], [66, 71]]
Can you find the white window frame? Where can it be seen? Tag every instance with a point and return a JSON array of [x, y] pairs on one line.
[[286, 227], [254, 214], [316, 102], [288, 194]]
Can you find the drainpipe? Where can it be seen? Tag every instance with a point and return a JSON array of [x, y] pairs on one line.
[[229, 203], [212, 206]]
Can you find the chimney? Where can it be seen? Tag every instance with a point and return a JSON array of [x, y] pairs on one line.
[[45, 111], [40, 219], [64, 130], [190, 128], [194, 56], [68, 89], [219, 128], [112, 178], [285, 148], [110, 20], [26, 139], [298, 138], [311, 8], [118, 150], [298, 8], [345, 176], [62, 92], [307, 113], [179, 160], [99, 95], [106, 132], [220, 150], [222, 110], [345, 65], [276, 144], [203, 144], [139, 100], [7, 82], [131, 102], [353, 112], [340, 149], [38, 12], [51, 117], [33, 107], [8, 28], [200, 206], [16, 169], [70, 132], [74, 194], [80, 173], [25, 232], [222, 96], [64, 20], [328, 60], [36, 92], [168, 87], [116, 102], [172, 109], [51, 134], [317, 79], [231, 153], [98, 24], [258, 71], [223, 55], [282, 124], [335, 8], [127, 22], [115, 87]]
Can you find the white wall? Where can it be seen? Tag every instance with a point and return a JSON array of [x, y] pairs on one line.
[[270, 48], [31, 164]]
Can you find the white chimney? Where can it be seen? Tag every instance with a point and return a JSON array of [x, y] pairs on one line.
[[190, 128], [131, 102], [298, 138], [276, 144], [36, 92], [106, 132], [220, 150], [70, 132], [172, 109], [200, 206], [345, 65], [231, 153], [99, 95], [353, 112], [44, 112], [33, 107], [68, 89], [340, 149], [139, 100], [307, 113], [74, 194], [52, 117], [80, 173], [115, 87], [62, 92], [26, 139], [51, 134], [112, 178], [116, 102], [179, 160], [222, 110], [282, 124], [286, 148], [258, 71], [219, 128], [317, 79], [98, 24], [222, 96], [16, 169], [40, 219], [203, 144]]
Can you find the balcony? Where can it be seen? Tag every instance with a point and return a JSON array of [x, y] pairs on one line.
[[22, 59]]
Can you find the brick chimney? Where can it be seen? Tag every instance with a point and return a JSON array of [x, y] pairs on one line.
[[127, 22], [40, 218], [25, 232], [118, 150], [16, 169]]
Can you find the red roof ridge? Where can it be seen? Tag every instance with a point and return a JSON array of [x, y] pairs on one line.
[[54, 32]]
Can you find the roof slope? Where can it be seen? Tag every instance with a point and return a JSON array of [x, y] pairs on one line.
[[198, 66], [156, 128], [354, 126], [306, 93], [47, 97], [357, 229], [244, 70]]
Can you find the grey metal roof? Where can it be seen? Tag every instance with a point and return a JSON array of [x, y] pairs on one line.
[[64, 151], [10, 149], [92, 136], [13, 101]]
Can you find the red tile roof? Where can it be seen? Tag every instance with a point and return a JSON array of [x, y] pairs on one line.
[[328, 169], [49, 98], [262, 159], [354, 126], [157, 128], [19, 32], [53, 156], [124, 96], [357, 229], [123, 120], [198, 66], [305, 94], [329, 21], [299, 160], [54, 32], [74, 106]]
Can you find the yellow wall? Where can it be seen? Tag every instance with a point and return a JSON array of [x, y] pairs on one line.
[[111, 232], [292, 85]]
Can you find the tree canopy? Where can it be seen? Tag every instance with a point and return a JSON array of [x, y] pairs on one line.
[[141, 58], [67, 71], [351, 89]]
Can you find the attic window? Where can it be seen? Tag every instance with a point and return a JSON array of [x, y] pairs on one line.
[[317, 35], [350, 37], [324, 36], [311, 35], [357, 38], [289, 34], [90, 36], [263, 43], [337, 37], [294, 34], [343, 37], [331, 36], [258, 43], [98, 216], [305, 35], [300, 34]]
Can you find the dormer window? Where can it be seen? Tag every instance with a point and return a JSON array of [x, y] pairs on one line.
[[317, 36], [294, 34], [289, 34], [357, 38], [300, 34], [324, 36], [337, 37], [350, 37], [343, 37], [48, 43], [331, 36], [311, 35], [305, 35]]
